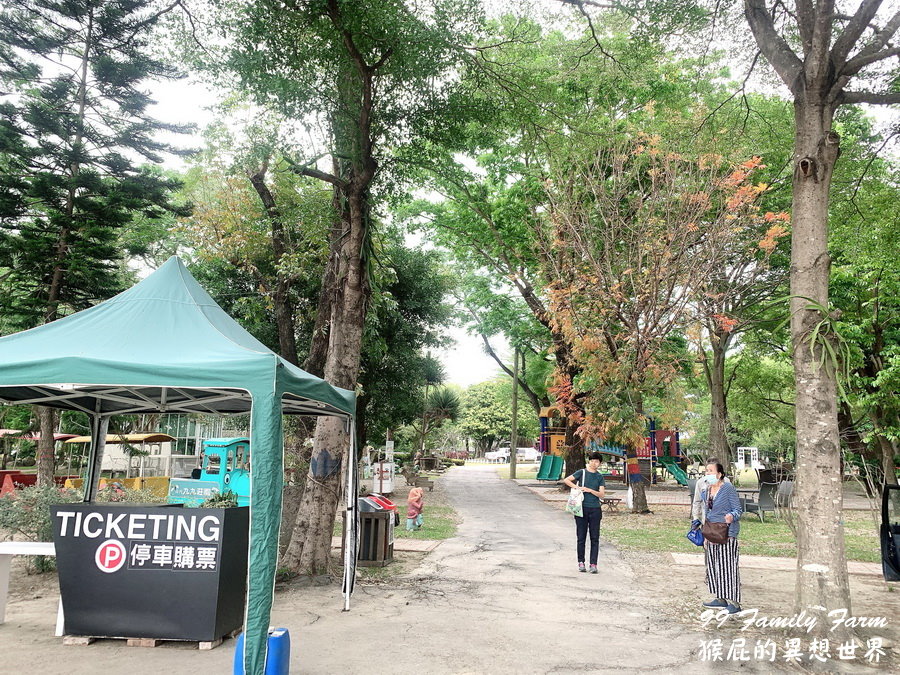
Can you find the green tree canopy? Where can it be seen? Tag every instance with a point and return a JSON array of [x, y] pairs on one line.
[[74, 126]]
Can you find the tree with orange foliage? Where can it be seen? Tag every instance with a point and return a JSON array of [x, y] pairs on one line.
[[637, 232], [737, 294]]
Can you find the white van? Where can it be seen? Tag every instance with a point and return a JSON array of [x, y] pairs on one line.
[[522, 455], [500, 455], [527, 455]]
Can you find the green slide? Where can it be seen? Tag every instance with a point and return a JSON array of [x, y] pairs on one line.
[[551, 468], [672, 466]]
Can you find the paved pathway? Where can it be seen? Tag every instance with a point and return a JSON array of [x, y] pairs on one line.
[[504, 596]]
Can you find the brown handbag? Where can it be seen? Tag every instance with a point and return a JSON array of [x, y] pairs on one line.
[[715, 533]]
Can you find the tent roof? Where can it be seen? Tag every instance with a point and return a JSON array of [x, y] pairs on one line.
[[162, 345]]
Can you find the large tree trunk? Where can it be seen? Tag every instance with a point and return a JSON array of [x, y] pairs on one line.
[[822, 582], [853, 439], [310, 546], [574, 457], [638, 489], [638, 496], [567, 366], [46, 447], [887, 459]]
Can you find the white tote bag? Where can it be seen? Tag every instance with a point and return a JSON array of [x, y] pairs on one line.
[[575, 500], [573, 503]]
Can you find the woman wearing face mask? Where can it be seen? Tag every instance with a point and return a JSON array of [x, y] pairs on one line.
[[697, 510], [722, 505]]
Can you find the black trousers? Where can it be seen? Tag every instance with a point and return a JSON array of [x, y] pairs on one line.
[[589, 522]]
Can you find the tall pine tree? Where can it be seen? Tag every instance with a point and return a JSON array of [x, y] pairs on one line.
[[74, 133]]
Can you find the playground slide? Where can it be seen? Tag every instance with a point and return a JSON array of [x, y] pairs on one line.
[[551, 468], [672, 465]]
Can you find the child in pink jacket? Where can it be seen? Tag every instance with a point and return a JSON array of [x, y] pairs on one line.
[[415, 504]]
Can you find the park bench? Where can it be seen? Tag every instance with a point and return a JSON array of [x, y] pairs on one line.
[[10, 548], [422, 482], [415, 480]]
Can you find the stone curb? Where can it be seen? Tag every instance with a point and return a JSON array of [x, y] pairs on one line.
[[408, 545], [759, 562]]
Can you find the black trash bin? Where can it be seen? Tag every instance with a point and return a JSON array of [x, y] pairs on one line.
[[376, 533]]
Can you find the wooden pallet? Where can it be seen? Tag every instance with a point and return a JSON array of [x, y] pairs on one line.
[[148, 642]]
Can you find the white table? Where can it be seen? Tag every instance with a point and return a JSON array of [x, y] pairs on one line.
[[10, 548]]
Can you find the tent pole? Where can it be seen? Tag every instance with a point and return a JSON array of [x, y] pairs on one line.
[[99, 427], [350, 519], [266, 484]]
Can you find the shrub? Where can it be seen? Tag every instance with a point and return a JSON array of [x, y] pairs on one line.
[[27, 461], [116, 492], [223, 500], [452, 461], [26, 512]]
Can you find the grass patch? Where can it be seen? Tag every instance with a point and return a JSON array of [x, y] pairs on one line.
[[440, 523], [528, 471], [747, 479], [664, 531]]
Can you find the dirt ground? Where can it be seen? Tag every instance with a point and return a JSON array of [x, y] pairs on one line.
[[503, 596], [772, 592]]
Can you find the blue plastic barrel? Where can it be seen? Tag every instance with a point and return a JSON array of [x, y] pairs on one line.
[[278, 660]]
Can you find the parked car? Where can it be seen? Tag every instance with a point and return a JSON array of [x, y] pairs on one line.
[[501, 455]]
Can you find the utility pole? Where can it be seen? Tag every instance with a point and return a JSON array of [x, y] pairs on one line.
[[513, 439], [424, 418]]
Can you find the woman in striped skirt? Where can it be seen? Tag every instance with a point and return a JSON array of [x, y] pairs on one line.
[[722, 505]]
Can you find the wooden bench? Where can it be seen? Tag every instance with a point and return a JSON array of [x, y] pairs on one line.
[[10, 548], [611, 502], [422, 482]]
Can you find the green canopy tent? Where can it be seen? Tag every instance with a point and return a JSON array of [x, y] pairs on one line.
[[164, 345]]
